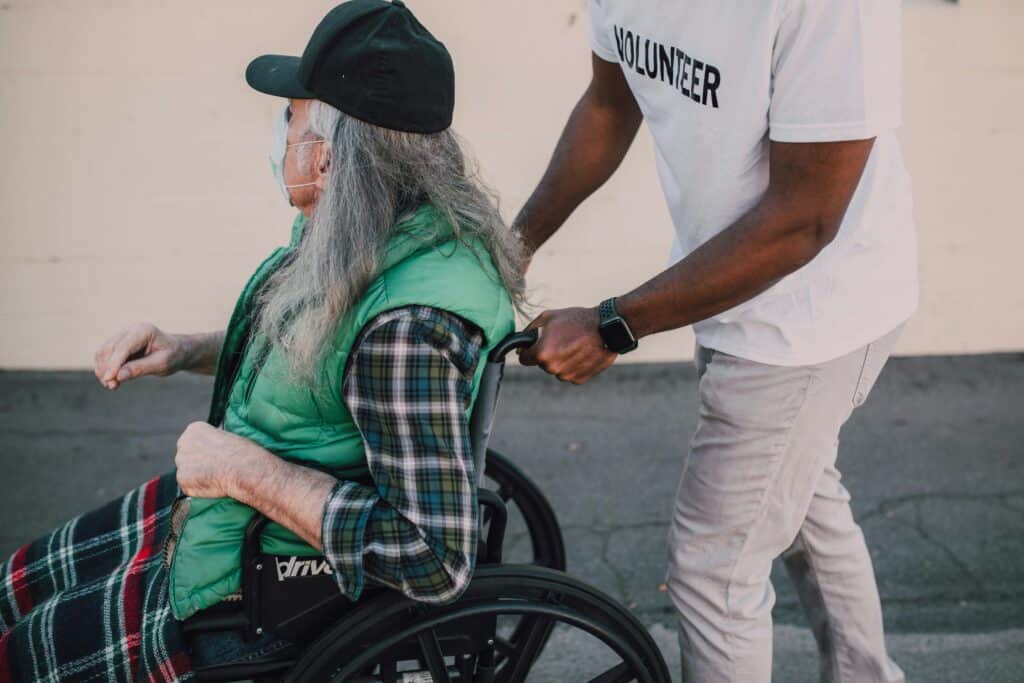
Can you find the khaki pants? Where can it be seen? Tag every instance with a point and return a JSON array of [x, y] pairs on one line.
[[760, 480]]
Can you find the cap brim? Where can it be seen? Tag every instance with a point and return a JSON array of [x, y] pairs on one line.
[[276, 75]]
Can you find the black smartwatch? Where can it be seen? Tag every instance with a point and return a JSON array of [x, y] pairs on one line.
[[613, 329]]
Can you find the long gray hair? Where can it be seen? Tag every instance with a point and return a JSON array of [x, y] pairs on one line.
[[376, 176]]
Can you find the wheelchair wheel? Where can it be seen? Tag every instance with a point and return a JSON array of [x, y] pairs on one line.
[[481, 638], [533, 533]]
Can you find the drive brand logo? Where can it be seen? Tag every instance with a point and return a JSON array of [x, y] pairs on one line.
[[294, 567]]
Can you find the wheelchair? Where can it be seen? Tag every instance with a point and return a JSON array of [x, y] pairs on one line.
[[507, 624]]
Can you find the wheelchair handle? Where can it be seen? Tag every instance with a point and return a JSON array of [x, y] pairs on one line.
[[515, 340]]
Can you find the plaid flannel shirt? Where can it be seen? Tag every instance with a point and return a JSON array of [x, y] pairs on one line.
[[407, 386]]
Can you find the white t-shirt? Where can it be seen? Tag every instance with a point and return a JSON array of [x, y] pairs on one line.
[[716, 81]]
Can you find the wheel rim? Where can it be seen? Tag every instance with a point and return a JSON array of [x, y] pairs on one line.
[[520, 657], [542, 601], [530, 512]]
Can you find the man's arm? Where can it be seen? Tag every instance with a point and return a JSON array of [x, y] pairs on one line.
[[202, 351], [800, 213], [144, 349], [811, 186], [595, 140], [416, 528]]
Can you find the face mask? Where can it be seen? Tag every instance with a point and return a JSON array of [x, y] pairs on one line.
[[279, 147]]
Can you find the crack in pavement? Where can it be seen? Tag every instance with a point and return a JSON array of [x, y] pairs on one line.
[[891, 504], [887, 508], [620, 579], [918, 526]]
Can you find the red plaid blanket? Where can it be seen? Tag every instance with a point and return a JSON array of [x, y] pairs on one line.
[[88, 601]]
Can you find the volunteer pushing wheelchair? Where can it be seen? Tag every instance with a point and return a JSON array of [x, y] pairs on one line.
[[325, 521]]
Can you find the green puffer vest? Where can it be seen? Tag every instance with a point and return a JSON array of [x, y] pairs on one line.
[[423, 265]]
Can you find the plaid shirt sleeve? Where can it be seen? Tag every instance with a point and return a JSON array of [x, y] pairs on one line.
[[407, 386]]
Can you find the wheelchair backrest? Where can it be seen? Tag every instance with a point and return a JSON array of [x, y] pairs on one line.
[[482, 419]]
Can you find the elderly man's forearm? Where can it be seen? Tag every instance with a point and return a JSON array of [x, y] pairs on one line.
[[296, 497], [292, 495], [201, 351]]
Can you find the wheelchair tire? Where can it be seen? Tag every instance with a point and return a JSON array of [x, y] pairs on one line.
[[523, 496], [388, 634]]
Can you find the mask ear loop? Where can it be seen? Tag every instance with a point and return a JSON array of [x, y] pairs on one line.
[[299, 144]]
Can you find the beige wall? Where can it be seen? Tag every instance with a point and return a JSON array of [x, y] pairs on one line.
[[134, 181]]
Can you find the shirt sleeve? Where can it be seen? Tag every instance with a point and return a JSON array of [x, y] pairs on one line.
[[408, 386], [601, 41], [836, 70]]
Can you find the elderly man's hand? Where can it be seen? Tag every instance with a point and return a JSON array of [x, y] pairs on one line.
[[139, 349], [569, 347], [211, 462]]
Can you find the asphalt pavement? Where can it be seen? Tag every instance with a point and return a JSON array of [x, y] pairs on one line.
[[934, 461]]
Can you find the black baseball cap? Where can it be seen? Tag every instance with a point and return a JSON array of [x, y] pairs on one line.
[[372, 60]]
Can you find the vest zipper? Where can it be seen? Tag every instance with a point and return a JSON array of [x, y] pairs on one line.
[[259, 357], [247, 394], [179, 513]]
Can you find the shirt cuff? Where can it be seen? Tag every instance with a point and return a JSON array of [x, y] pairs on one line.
[[827, 132], [342, 532]]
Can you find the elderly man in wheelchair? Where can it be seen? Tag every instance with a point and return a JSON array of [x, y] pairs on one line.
[[325, 522]]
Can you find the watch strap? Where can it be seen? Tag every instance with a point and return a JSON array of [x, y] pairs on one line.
[[609, 317], [607, 310]]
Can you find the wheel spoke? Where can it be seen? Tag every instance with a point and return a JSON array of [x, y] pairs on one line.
[[536, 630], [616, 674], [432, 656], [504, 494], [388, 671], [503, 646], [503, 649], [466, 665]]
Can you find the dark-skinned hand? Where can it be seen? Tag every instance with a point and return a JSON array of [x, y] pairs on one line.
[[569, 346]]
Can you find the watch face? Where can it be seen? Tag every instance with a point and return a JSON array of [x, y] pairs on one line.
[[616, 335]]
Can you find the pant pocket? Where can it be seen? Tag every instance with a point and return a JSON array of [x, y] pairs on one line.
[[875, 356], [860, 392]]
